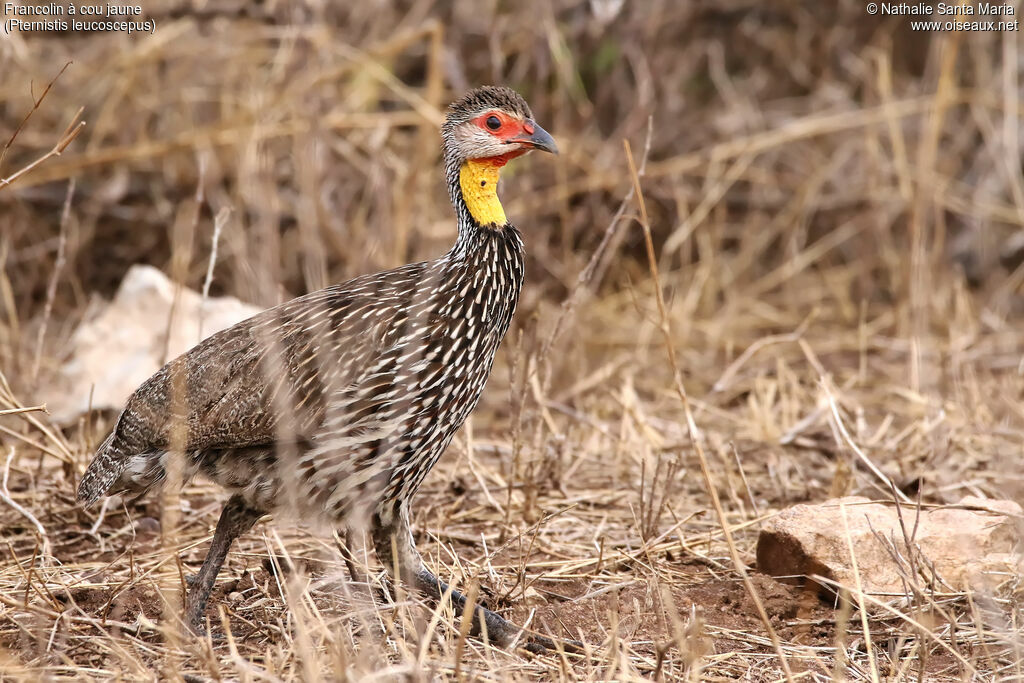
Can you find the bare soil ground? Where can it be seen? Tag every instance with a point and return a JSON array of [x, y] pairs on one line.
[[829, 199]]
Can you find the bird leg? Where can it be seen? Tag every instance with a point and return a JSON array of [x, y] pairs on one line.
[[235, 519], [395, 549], [345, 548]]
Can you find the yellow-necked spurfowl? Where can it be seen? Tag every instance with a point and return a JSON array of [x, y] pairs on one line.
[[335, 405]]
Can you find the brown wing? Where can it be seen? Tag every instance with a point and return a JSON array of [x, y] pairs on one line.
[[264, 379]]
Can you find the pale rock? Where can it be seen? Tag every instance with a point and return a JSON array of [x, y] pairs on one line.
[[118, 348], [972, 545]]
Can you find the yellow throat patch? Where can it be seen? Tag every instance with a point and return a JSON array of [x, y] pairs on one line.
[[479, 181]]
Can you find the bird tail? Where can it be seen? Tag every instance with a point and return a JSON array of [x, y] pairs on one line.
[[102, 472]]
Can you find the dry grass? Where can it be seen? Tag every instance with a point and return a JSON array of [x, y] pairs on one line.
[[826, 197]]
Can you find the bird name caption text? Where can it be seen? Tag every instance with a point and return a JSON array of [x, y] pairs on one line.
[[73, 16], [950, 16]]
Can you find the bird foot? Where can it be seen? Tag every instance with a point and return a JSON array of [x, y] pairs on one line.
[[505, 633], [200, 630], [538, 645]]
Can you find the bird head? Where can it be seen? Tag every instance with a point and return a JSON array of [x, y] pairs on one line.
[[493, 123], [483, 130]]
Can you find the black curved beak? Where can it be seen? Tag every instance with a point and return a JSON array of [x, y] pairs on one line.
[[540, 139]]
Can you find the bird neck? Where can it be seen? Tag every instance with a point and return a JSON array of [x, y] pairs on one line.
[[478, 183], [473, 189]]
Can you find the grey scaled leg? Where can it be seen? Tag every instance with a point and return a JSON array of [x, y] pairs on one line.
[[235, 519], [396, 537]]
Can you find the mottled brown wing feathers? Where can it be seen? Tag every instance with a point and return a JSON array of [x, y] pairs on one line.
[[262, 380]]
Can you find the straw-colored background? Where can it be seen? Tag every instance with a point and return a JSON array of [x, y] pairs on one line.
[[833, 200]]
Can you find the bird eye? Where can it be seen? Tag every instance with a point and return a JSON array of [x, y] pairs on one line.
[[493, 122]]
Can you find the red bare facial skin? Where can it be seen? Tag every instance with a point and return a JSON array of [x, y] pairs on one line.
[[504, 158], [510, 129]]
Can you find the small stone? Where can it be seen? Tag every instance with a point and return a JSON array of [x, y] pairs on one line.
[[147, 525], [971, 545], [1011, 253], [234, 597], [97, 576]]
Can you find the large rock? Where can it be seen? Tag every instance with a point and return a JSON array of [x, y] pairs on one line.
[[119, 347], [974, 544]]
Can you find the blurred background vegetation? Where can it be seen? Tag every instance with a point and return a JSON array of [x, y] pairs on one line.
[[315, 124]]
